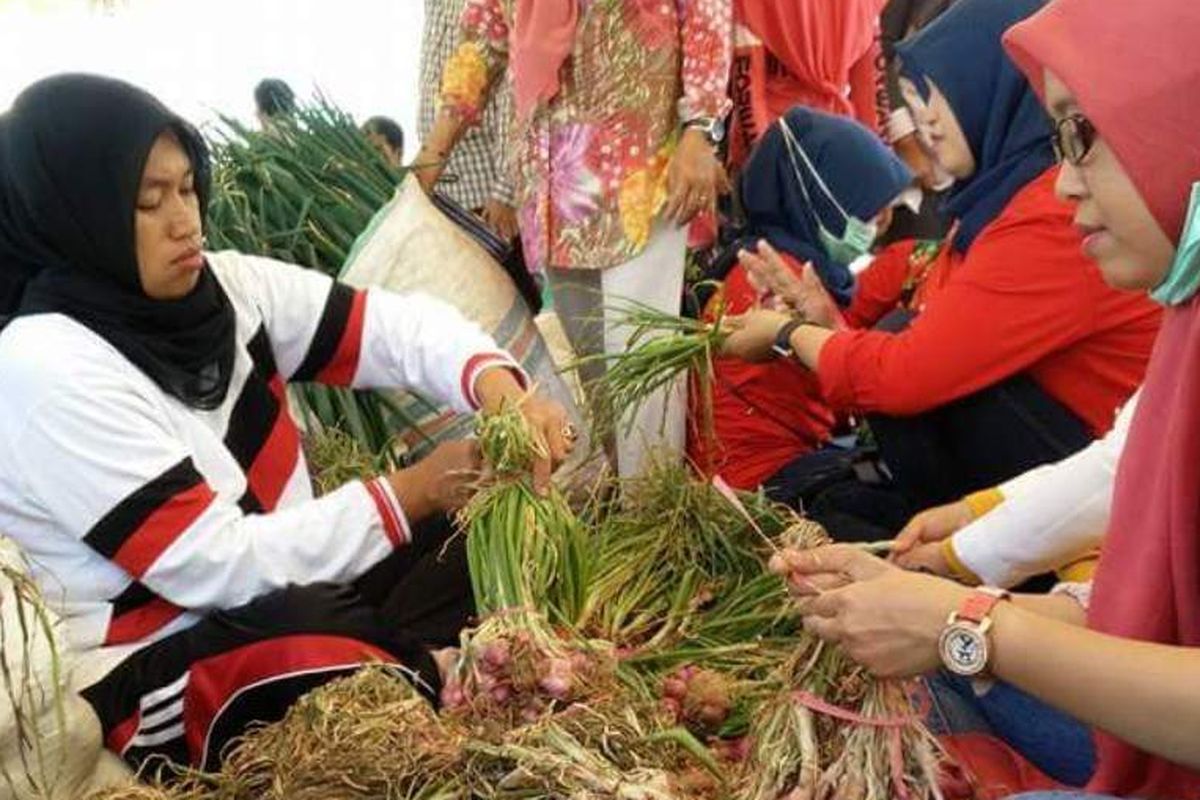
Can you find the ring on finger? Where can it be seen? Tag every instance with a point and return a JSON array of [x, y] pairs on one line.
[[569, 433]]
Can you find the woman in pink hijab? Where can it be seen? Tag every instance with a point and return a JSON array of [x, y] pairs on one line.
[[1122, 656]]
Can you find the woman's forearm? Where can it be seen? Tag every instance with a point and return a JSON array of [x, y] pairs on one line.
[[807, 342], [1143, 693], [1059, 607], [448, 128]]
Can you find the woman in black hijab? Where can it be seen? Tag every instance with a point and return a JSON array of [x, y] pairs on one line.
[[67, 241], [149, 465]]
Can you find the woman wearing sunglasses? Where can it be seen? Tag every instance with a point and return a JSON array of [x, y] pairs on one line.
[[1115, 84], [1016, 353]]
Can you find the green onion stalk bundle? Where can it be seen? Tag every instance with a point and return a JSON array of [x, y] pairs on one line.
[[660, 349], [826, 730], [751, 626], [302, 194], [673, 549], [885, 761], [784, 761], [527, 556], [787, 755]]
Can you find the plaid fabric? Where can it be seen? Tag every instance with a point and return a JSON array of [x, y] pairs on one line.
[[478, 168]]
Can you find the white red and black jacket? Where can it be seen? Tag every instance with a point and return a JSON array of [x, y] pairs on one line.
[[140, 514]]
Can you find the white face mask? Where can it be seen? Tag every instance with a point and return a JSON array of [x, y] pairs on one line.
[[859, 235]]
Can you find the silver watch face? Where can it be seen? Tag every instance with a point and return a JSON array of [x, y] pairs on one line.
[[713, 128], [964, 649], [717, 133]]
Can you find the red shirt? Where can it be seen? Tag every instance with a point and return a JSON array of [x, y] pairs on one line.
[[1023, 298]]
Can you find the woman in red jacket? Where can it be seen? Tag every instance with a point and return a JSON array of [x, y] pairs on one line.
[[1018, 353]]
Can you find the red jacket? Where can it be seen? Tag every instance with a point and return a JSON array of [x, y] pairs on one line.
[[766, 415], [1023, 298]]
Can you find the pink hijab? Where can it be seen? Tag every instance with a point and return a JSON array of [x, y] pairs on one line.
[[542, 36], [1133, 71]]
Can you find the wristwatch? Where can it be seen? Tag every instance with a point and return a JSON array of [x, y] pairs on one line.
[[713, 128], [964, 645], [783, 340]]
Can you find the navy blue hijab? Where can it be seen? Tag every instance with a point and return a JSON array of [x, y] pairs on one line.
[[1005, 125], [861, 172]]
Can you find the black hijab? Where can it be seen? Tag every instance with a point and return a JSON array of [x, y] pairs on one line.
[[72, 152]]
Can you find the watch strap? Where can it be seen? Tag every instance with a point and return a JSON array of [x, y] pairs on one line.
[[979, 604], [783, 339]]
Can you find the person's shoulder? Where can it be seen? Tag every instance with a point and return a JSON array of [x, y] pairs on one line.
[[236, 272], [1037, 203], [49, 356], [246, 280], [1036, 221], [246, 277]]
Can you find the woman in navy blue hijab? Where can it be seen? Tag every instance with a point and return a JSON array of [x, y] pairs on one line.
[[957, 65], [810, 175]]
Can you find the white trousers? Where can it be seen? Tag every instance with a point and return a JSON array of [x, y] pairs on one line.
[[582, 299]]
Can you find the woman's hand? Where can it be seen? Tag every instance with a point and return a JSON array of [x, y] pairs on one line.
[[929, 558], [550, 421], [752, 334], [919, 545], [885, 618], [443, 481], [428, 167], [498, 388], [437, 146], [803, 293], [501, 218], [694, 178]]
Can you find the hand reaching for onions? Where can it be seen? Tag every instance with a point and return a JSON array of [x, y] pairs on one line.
[[549, 420], [498, 389], [885, 618], [443, 481]]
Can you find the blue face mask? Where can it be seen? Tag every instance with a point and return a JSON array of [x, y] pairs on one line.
[[858, 236], [1183, 279]]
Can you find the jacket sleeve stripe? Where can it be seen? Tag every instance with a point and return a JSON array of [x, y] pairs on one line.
[[268, 476], [164, 525], [142, 525], [138, 623], [332, 355]]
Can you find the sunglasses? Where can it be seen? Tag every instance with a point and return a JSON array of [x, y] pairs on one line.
[[1074, 137]]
